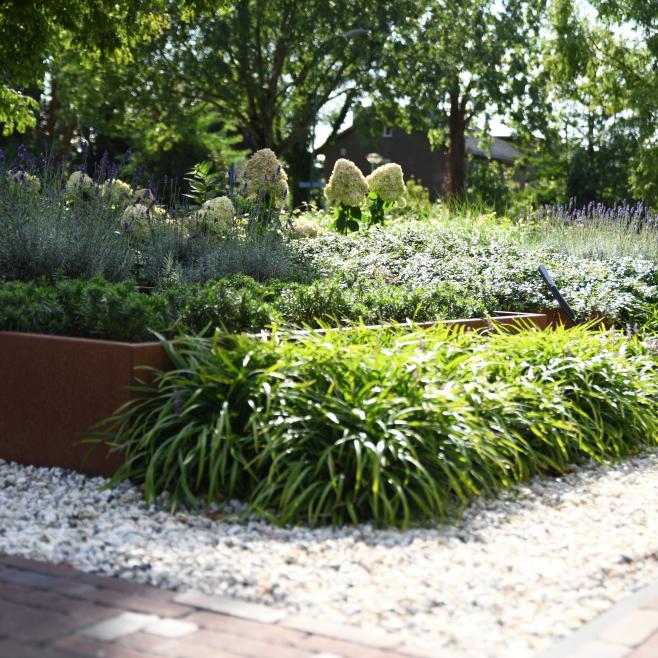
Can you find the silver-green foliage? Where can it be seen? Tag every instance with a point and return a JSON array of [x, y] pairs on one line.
[[50, 233], [393, 426]]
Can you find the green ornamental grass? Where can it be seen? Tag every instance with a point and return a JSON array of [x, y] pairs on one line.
[[395, 426]]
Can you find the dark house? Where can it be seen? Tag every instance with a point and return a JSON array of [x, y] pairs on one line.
[[412, 151]]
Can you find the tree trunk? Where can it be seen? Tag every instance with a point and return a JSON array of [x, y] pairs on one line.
[[299, 164], [456, 182]]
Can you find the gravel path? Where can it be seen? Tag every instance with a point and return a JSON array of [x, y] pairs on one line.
[[515, 575]]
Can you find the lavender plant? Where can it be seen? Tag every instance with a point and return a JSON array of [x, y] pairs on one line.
[[594, 230], [51, 230]]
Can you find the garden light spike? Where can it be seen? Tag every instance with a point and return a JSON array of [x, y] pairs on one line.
[[557, 294]]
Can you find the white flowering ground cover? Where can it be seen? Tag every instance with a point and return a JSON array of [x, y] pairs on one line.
[[516, 574]]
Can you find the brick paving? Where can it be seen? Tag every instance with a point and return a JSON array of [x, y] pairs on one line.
[[628, 630], [55, 611]]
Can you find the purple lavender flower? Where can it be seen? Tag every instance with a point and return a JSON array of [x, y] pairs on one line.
[[177, 402]]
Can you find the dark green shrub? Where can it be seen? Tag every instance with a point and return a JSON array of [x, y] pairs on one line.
[[236, 303], [91, 309]]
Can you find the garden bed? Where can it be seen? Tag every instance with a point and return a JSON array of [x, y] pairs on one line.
[[55, 389]]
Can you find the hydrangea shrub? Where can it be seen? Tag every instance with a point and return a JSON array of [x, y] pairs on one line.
[[347, 188], [386, 187], [217, 216]]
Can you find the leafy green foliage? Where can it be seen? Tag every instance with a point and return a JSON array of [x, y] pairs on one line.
[[91, 309], [204, 182], [394, 427], [347, 218], [98, 309]]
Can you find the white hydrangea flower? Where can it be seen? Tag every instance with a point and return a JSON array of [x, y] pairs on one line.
[[217, 215], [27, 181], [79, 183], [139, 218], [117, 192], [137, 213], [346, 184], [303, 227], [388, 182], [143, 195], [263, 173]]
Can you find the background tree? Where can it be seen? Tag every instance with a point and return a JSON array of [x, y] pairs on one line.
[[32, 31], [462, 62], [265, 66], [603, 76]]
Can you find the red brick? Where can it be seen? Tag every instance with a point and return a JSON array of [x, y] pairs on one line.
[[354, 634], [28, 578], [647, 650], [82, 646], [27, 595], [316, 643], [141, 641], [179, 648], [130, 601], [50, 568], [236, 626], [229, 606], [244, 646], [120, 585], [184, 649], [12, 649], [632, 629]]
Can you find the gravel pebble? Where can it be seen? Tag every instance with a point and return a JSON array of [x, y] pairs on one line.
[[514, 575]]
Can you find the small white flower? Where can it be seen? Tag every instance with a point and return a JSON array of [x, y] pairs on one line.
[[217, 215], [117, 192], [27, 181], [303, 227]]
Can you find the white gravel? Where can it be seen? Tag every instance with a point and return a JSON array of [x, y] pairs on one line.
[[517, 573]]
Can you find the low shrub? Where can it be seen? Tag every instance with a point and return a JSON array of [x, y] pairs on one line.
[[90, 309], [388, 426], [100, 309]]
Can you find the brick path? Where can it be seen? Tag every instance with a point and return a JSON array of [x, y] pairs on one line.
[[628, 630], [54, 611]]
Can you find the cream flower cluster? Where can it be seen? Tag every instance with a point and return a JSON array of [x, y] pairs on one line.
[[143, 195], [217, 215], [79, 183], [305, 228], [346, 184], [28, 181], [263, 173], [117, 191], [388, 182], [137, 213]]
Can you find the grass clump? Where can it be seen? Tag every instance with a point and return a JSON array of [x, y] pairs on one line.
[[391, 426]]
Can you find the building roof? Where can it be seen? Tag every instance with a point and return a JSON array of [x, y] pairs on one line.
[[499, 149]]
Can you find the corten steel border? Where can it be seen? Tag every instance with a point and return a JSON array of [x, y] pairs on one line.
[[54, 389]]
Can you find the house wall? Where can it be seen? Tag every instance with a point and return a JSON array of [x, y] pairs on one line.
[[411, 150]]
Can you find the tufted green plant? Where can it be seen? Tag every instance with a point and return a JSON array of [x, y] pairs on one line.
[[394, 426]]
